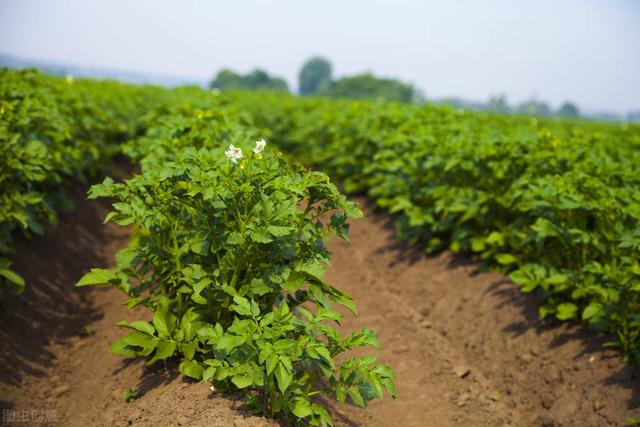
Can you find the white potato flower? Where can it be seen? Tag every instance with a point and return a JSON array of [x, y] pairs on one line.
[[260, 144], [233, 153]]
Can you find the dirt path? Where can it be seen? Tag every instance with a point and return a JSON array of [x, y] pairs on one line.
[[468, 349]]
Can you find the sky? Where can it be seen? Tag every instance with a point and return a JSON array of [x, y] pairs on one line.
[[586, 51]]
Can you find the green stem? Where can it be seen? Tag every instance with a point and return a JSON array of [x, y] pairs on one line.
[[178, 271]]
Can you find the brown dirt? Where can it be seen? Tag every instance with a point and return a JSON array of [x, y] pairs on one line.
[[468, 348]]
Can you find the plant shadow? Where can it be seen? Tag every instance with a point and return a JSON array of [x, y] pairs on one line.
[[52, 310], [589, 343]]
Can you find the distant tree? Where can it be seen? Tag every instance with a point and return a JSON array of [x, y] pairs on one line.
[[367, 86], [534, 108], [279, 84], [568, 109], [227, 79], [418, 97], [315, 76], [498, 104], [260, 79], [256, 79]]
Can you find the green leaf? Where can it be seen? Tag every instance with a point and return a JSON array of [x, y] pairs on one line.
[[279, 231], [163, 320], [314, 268], [354, 394], [556, 279], [165, 349], [229, 342], [141, 339], [593, 311], [138, 325], [209, 332], [200, 247], [33, 198], [478, 244], [352, 210], [191, 368], [136, 343], [293, 283], [197, 290], [128, 257], [545, 309], [189, 325], [235, 238], [506, 259], [12, 277], [324, 353], [209, 373], [495, 238], [258, 287], [283, 376], [566, 311], [97, 276], [242, 306], [300, 407], [188, 349], [122, 348], [260, 236], [242, 381]]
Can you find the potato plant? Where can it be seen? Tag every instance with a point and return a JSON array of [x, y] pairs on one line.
[[228, 256]]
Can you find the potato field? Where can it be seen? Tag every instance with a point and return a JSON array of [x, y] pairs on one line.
[[190, 257]]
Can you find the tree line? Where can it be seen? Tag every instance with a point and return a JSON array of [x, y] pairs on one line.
[[315, 78]]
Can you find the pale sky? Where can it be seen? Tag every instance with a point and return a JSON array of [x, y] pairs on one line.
[[587, 51]]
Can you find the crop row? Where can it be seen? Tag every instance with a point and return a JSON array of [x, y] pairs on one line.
[[53, 131], [554, 203]]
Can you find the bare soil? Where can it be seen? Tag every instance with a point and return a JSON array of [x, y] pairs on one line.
[[467, 346]]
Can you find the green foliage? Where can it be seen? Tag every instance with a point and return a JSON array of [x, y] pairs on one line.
[[315, 77], [228, 256], [553, 203], [257, 79], [633, 421], [131, 394], [53, 131]]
